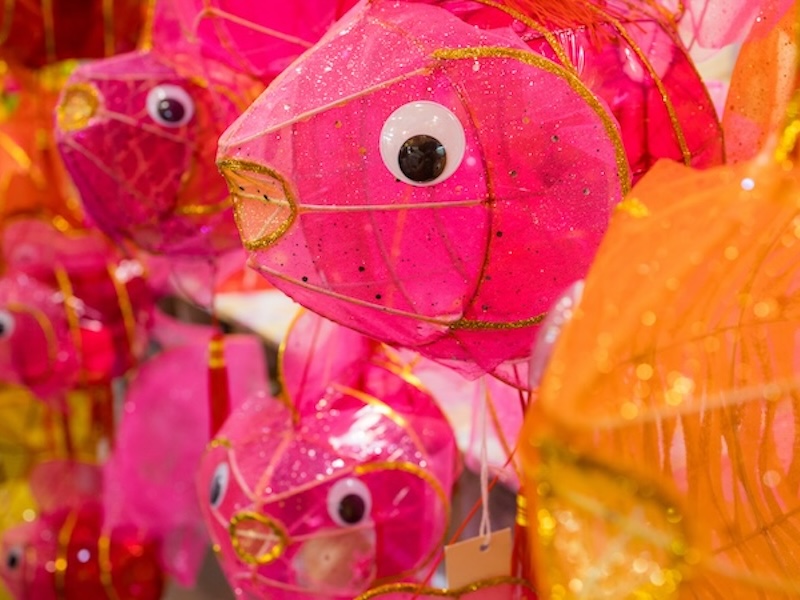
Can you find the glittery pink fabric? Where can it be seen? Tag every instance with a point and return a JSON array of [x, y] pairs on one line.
[[343, 482], [463, 270], [717, 23]]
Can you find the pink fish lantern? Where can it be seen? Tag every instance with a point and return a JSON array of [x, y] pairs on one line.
[[336, 486], [141, 128], [84, 265], [149, 478], [39, 337], [441, 197], [68, 552]]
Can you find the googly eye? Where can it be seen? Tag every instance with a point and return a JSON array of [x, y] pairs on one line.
[[7, 323], [551, 328], [170, 105], [422, 143], [14, 558], [219, 484], [349, 502]]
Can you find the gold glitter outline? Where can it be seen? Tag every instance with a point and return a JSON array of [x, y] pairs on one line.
[[277, 550], [106, 565], [435, 484], [62, 553], [419, 589], [68, 124], [539, 62], [239, 166]]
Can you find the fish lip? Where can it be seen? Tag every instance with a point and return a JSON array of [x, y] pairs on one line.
[[79, 104], [247, 528], [257, 189]]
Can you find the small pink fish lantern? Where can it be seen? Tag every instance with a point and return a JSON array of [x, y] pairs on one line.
[[342, 483], [68, 553], [142, 127], [434, 173]]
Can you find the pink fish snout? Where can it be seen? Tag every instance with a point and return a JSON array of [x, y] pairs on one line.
[[263, 203], [79, 104], [257, 539], [340, 562]]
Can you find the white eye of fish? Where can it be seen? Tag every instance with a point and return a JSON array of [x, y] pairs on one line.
[[14, 558], [170, 105], [349, 502], [7, 323], [422, 143], [219, 484]]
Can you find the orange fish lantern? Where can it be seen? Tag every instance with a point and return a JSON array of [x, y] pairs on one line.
[[35, 33], [661, 459]]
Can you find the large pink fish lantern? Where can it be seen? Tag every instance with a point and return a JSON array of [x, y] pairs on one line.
[[342, 483], [441, 196], [149, 478], [138, 131]]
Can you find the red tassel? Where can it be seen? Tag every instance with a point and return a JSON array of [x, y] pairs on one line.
[[521, 555], [219, 395]]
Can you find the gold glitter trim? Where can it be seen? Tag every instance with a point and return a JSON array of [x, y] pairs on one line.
[[539, 62], [420, 590], [106, 566], [77, 107], [73, 321], [204, 209], [557, 48], [428, 478], [219, 443], [8, 17], [277, 549], [61, 563], [240, 167], [216, 353], [473, 325], [125, 308], [634, 207], [662, 90], [284, 396], [45, 325], [146, 38]]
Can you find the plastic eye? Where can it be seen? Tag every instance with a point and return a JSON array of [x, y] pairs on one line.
[[7, 323], [170, 105], [349, 502], [219, 484], [422, 143], [14, 558]]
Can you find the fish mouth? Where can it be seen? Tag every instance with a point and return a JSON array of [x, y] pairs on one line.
[[79, 104], [257, 539], [263, 204]]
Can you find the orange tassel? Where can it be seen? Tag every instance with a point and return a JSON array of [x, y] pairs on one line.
[[218, 389]]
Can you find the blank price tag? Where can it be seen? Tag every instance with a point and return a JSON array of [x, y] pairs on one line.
[[467, 562]]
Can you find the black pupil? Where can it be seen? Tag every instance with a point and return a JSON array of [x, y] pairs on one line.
[[216, 490], [2, 328], [171, 110], [422, 158], [12, 560], [351, 509]]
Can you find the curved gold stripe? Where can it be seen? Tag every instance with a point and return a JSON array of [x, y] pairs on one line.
[[387, 411], [540, 62], [662, 90], [283, 395], [428, 478], [558, 49], [73, 321], [146, 37], [49, 30], [125, 308], [421, 590], [204, 209], [106, 566], [62, 554], [8, 17], [45, 325], [108, 28], [473, 325]]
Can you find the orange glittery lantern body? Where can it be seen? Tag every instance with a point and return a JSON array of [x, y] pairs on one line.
[[663, 456]]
